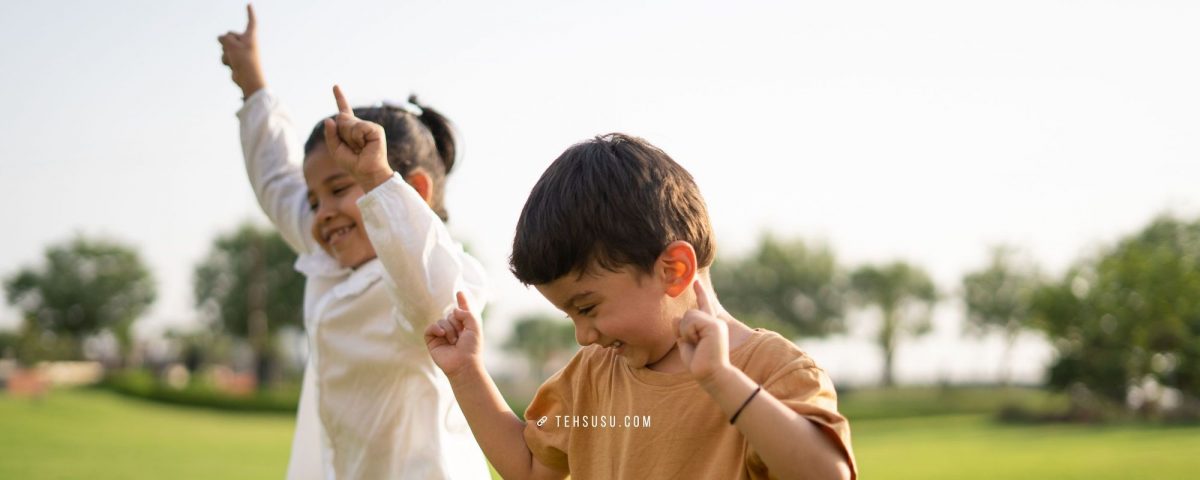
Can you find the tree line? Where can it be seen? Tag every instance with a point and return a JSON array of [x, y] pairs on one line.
[[1123, 320]]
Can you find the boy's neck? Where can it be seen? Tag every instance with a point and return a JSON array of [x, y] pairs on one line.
[[739, 333], [672, 362]]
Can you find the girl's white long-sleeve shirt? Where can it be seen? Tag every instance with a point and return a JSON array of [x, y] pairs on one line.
[[373, 404]]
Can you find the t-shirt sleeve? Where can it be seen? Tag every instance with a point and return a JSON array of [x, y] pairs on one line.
[[807, 390], [548, 444]]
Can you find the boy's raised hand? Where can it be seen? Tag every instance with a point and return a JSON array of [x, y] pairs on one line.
[[455, 342], [703, 338], [357, 146], [240, 52]]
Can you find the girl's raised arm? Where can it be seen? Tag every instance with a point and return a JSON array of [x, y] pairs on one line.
[[271, 153]]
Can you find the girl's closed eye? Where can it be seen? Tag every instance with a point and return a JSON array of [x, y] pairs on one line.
[[586, 310]]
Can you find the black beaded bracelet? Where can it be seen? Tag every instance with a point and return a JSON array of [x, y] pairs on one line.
[[743, 407]]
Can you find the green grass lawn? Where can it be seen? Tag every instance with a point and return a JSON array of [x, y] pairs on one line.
[[73, 434], [95, 434], [975, 447]]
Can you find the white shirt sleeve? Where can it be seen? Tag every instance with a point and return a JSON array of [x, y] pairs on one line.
[[273, 162], [425, 266]]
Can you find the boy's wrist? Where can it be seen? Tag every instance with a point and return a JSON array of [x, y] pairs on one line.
[[729, 388], [722, 379]]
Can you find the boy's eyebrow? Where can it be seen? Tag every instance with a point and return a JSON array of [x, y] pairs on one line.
[[575, 297]]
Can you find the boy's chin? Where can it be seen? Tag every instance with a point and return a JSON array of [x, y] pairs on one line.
[[635, 358], [639, 362], [641, 358]]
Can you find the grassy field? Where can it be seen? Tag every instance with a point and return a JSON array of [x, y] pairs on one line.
[[98, 435], [975, 447]]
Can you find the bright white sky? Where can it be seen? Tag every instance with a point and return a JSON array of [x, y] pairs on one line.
[[924, 131]]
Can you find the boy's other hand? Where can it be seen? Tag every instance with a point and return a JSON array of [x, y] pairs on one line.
[[703, 338], [358, 146], [455, 342], [240, 52]]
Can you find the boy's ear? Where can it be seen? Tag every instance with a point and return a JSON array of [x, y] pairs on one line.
[[421, 182], [677, 267]]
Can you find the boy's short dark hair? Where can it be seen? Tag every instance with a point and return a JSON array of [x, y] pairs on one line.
[[614, 200]]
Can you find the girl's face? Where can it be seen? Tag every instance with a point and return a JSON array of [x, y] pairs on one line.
[[337, 222]]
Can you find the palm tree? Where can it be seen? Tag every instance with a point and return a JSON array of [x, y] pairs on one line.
[[792, 287], [905, 296], [1000, 297]]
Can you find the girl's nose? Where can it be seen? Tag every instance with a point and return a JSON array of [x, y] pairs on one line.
[[325, 210]]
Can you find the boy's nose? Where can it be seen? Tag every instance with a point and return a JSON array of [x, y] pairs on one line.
[[584, 333]]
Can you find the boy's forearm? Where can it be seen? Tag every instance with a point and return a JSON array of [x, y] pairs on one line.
[[498, 430], [790, 445]]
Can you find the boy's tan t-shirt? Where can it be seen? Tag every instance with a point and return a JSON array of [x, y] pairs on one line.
[[599, 418]]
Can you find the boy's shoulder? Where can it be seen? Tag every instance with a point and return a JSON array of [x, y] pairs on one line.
[[578, 370], [767, 354], [590, 360]]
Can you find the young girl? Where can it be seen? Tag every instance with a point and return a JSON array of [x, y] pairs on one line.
[[380, 266]]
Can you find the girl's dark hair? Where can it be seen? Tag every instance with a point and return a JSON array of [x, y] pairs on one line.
[[426, 141]]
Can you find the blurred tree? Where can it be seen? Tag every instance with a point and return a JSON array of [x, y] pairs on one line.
[[1126, 322], [905, 296], [9, 341], [35, 344], [542, 339], [789, 287], [1000, 297], [85, 286], [202, 347], [248, 284]]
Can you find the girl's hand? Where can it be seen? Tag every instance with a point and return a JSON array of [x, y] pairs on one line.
[[703, 339], [455, 342], [240, 52], [357, 146]]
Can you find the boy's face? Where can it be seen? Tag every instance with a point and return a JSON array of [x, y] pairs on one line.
[[337, 222], [627, 310]]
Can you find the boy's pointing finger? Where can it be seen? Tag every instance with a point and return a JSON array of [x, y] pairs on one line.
[[702, 302]]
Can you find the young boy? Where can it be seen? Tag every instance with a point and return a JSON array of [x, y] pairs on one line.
[[668, 384]]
